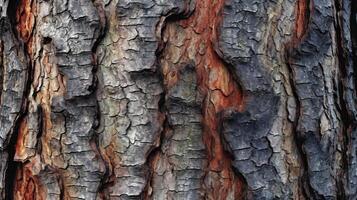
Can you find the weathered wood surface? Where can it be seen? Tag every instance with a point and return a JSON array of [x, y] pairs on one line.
[[178, 99]]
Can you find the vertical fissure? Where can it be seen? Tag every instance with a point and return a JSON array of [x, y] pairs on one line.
[[1, 65], [193, 40], [347, 115], [351, 66], [301, 30], [11, 14], [219, 92], [304, 185], [102, 32], [353, 25], [12, 165], [156, 151]]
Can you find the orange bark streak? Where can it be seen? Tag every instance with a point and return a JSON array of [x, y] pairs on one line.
[[47, 83], [27, 185], [215, 82], [302, 20], [20, 149], [25, 22]]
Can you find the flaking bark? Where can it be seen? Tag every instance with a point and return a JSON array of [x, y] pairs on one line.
[[178, 99]]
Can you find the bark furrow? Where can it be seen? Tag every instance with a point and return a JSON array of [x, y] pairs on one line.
[[178, 99]]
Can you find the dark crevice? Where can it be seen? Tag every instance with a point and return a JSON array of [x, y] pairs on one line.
[[61, 186], [105, 181], [11, 10], [304, 184], [245, 192], [161, 105], [353, 25], [170, 17], [151, 158], [102, 32], [12, 165], [10, 173], [229, 66], [46, 40], [157, 150], [346, 127], [349, 151], [342, 90], [41, 129], [11, 148], [1, 66], [11, 14]]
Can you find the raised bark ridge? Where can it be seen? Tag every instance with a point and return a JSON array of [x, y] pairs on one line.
[[188, 99]]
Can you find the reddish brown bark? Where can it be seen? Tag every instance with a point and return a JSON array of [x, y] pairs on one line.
[[177, 99]]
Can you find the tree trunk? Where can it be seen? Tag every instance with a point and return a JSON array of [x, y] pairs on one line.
[[178, 99]]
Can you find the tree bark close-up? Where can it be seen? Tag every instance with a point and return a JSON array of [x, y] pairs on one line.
[[178, 99]]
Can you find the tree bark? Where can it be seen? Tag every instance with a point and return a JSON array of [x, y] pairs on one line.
[[178, 99]]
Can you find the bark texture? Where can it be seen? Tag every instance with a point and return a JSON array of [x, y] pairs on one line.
[[178, 99]]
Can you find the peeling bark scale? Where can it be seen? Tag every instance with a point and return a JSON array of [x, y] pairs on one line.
[[178, 99]]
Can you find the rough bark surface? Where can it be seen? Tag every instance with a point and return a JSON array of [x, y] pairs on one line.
[[178, 99]]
